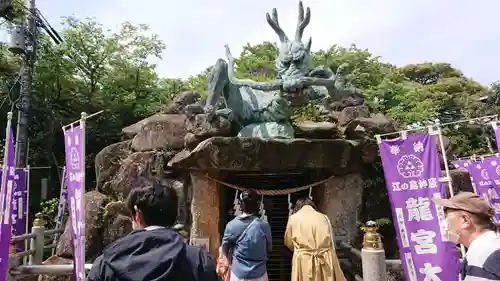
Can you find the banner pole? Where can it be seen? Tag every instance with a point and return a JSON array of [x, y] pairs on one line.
[[488, 117], [488, 141], [27, 169], [447, 170], [4, 165], [80, 120], [482, 156], [445, 160], [82, 126], [61, 207], [494, 125]]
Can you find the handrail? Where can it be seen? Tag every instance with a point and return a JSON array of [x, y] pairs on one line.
[[53, 231], [351, 262], [36, 247], [50, 246], [53, 269], [23, 254], [20, 238], [351, 250], [392, 264]]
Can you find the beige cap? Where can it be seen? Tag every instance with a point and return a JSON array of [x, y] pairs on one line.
[[467, 201]]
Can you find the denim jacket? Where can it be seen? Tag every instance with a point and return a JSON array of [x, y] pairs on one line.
[[249, 252]]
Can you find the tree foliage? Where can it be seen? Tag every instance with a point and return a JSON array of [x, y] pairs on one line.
[[93, 69], [97, 69]]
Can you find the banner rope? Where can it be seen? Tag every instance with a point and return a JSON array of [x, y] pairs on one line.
[[272, 192]]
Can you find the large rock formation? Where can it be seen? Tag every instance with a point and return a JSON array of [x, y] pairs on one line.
[[105, 222], [354, 118], [168, 144]]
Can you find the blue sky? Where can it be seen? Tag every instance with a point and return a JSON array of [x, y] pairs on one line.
[[463, 32]]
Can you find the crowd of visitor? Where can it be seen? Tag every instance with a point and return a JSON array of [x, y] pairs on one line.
[[156, 251]]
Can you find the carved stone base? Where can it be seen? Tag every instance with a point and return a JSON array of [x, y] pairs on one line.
[[341, 201], [205, 204]]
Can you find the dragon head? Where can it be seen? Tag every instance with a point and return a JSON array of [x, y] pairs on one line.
[[294, 58], [293, 61]]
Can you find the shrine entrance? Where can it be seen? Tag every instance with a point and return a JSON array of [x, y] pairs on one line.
[[279, 265]]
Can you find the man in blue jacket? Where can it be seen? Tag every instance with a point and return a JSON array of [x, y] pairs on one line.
[[153, 251]]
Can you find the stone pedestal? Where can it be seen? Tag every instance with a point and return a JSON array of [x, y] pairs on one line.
[[374, 268], [341, 199], [205, 204]]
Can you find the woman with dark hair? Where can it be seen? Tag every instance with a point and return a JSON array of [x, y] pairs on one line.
[[301, 202], [309, 235], [246, 242]]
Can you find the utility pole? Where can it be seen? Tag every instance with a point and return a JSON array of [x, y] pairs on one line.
[[24, 105], [24, 43]]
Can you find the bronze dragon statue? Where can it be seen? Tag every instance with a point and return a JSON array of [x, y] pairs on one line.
[[263, 109]]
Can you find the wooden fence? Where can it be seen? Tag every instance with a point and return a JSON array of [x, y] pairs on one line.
[[29, 262]]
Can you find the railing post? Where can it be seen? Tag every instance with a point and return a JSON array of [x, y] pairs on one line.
[[13, 261], [38, 242], [373, 254]]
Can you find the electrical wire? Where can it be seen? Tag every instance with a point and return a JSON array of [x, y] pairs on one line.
[[13, 103], [23, 6], [42, 22], [48, 28]]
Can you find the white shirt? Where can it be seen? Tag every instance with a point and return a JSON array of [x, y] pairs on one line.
[[482, 261]]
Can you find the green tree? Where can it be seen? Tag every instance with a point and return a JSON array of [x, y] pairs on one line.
[[364, 70], [93, 69], [257, 61], [198, 83]]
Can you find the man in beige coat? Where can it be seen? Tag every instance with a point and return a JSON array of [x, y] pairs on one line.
[[309, 235]]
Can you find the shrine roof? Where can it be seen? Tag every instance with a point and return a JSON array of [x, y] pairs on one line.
[[255, 154]]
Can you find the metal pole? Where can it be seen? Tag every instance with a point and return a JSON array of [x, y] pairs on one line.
[[86, 117], [4, 166], [24, 105], [447, 170], [26, 244], [488, 140], [82, 126], [61, 207]]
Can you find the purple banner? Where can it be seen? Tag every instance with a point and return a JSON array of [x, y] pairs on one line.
[[6, 193], [412, 172], [63, 196], [19, 213], [75, 163], [461, 163], [485, 177], [20, 206]]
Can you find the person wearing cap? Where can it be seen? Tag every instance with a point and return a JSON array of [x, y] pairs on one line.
[[470, 220]]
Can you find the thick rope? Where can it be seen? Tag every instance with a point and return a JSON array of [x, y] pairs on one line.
[[273, 192]]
